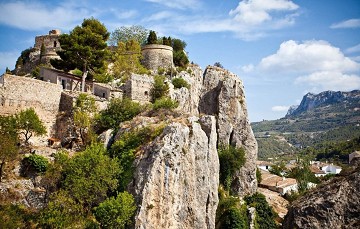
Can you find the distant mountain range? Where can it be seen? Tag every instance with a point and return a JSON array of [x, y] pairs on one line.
[[327, 116], [330, 100]]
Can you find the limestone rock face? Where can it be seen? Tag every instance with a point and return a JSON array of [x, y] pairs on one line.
[[333, 205], [177, 177], [223, 96], [189, 98]]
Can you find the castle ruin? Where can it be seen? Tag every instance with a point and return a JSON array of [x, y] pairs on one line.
[[157, 56]]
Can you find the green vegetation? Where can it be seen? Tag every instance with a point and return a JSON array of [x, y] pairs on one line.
[[83, 172], [116, 213], [258, 175], [84, 48], [160, 88], [230, 213], [231, 159], [265, 216], [9, 140], [83, 110], [152, 38], [15, 216], [127, 60], [179, 56], [124, 34], [28, 123], [180, 82], [165, 103], [117, 111], [125, 148], [36, 162]]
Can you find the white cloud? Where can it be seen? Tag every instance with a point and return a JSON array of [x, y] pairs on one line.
[[307, 57], [178, 4], [336, 81], [353, 49], [36, 16], [351, 23], [255, 12], [280, 108]]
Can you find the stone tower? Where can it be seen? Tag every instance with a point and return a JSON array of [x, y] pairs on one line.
[[157, 56]]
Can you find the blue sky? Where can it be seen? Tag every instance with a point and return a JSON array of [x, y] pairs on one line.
[[281, 49]]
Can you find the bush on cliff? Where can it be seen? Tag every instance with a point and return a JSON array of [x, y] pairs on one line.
[[231, 159]]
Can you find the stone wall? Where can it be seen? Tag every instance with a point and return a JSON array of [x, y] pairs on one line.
[[155, 56], [19, 93], [138, 88], [51, 42]]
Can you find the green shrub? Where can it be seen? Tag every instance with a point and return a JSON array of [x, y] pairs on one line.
[[161, 71], [231, 159], [265, 216], [165, 103], [116, 213], [125, 148], [230, 214], [160, 88], [118, 110], [180, 82], [37, 162], [258, 175]]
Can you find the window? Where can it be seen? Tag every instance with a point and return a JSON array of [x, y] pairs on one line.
[[54, 44]]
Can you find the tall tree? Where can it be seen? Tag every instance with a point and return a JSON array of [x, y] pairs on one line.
[[124, 34], [84, 48], [8, 148], [84, 107], [152, 38], [127, 60], [28, 123]]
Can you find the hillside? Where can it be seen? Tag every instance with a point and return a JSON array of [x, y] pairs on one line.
[[327, 116]]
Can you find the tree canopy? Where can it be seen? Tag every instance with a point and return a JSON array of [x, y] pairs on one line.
[[29, 124], [127, 60], [84, 48], [123, 34], [152, 38]]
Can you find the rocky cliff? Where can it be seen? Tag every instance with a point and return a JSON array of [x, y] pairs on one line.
[[333, 205], [177, 176], [223, 96], [312, 101]]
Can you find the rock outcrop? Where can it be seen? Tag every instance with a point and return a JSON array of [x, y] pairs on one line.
[[223, 96], [333, 205], [176, 177]]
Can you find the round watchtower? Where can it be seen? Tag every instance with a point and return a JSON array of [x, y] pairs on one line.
[[157, 56]]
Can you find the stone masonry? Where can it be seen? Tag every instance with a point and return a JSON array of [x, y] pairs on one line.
[[157, 56]]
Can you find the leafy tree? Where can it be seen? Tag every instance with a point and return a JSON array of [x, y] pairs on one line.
[[117, 111], [62, 211], [179, 57], [8, 142], [303, 176], [29, 124], [231, 159], [152, 38], [116, 213], [127, 60], [84, 48], [90, 175], [178, 45], [84, 107], [265, 216], [278, 169], [166, 41], [124, 34], [160, 88]]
